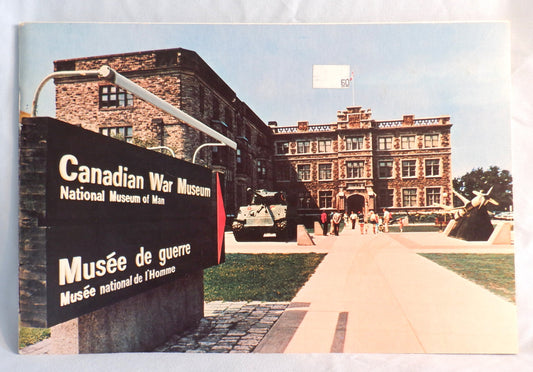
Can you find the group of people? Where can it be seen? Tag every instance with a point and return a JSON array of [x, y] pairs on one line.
[[376, 222]]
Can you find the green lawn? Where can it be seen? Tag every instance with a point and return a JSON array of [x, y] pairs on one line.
[[492, 271], [30, 336], [413, 228], [259, 277]]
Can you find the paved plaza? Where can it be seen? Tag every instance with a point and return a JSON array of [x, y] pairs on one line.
[[375, 294], [370, 294]]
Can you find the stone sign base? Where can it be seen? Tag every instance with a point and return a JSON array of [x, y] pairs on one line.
[[303, 237], [137, 324], [318, 228], [502, 234]]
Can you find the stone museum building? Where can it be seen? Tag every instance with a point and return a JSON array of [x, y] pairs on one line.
[[354, 163], [358, 163]]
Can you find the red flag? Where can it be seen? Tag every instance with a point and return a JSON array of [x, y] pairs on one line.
[[221, 219]]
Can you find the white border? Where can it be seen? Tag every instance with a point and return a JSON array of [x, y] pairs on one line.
[[271, 11]]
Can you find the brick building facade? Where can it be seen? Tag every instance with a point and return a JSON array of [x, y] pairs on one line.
[[183, 79], [358, 163], [355, 163]]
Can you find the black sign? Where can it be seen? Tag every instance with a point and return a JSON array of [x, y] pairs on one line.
[[91, 178], [118, 219]]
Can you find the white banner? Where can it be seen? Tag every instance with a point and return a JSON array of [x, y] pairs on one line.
[[331, 76]]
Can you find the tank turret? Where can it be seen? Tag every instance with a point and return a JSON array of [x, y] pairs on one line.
[[266, 213]]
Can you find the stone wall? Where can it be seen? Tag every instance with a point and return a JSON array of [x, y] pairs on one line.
[[143, 322], [32, 236]]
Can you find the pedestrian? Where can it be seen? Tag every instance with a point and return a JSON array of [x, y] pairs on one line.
[[361, 218], [373, 219], [324, 220], [380, 224], [335, 221], [353, 219], [404, 221], [386, 219]]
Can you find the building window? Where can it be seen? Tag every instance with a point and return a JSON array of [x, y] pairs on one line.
[[244, 162], [385, 168], [432, 167], [260, 140], [248, 134], [432, 196], [239, 124], [386, 198], [216, 109], [303, 147], [228, 117], [384, 143], [324, 145], [408, 168], [409, 197], [431, 140], [354, 143], [112, 96], [219, 155], [304, 172], [304, 200], [201, 100], [355, 169], [408, 142], [242, 197], [325, 199], [261, 169], [122, 133], [283, 172], [324, 172], [282, 148]]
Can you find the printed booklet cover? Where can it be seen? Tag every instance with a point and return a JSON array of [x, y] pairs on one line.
[[266, 188]]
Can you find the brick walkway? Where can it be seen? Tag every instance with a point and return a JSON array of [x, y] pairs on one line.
[[227, 327]]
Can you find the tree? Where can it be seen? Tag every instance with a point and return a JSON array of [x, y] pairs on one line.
[[482, 180]]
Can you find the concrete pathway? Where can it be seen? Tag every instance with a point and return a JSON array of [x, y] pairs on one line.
[[374, 294]]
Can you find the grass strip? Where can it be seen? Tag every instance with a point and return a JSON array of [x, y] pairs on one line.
[[259, 277], [29, 336], [495, 272]]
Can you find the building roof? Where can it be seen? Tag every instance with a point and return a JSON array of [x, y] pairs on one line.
[[163, 61]]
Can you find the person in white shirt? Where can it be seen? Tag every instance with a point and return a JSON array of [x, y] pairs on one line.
[[353, 219], [386, 219]]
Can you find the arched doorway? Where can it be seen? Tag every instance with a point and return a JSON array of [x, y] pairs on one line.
[[355, 203]]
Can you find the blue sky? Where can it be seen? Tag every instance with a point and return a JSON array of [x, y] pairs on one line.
[[456, 69]]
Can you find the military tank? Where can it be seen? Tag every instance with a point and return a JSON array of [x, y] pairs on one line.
[[266, 213]]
